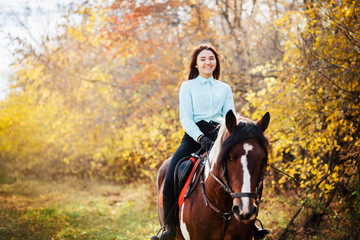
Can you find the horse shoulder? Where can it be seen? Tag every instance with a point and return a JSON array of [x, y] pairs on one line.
[[193, 216]]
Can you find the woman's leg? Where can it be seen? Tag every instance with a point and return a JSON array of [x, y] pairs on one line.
[[187, 146]]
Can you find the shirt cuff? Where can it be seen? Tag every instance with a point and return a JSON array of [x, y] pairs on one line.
[[200, 137]]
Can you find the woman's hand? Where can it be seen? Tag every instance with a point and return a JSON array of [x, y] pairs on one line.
[[206, 143]]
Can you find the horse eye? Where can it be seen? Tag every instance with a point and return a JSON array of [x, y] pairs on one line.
[[229, 158]]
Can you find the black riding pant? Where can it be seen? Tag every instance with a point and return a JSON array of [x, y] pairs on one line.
[[187, 146]]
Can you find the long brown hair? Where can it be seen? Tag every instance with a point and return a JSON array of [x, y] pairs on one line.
[[194, 72]]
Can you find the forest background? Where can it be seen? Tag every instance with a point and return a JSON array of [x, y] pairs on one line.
[[99, 101]]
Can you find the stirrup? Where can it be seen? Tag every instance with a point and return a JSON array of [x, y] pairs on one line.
[[260, 232], [164, 235], [157, 236]]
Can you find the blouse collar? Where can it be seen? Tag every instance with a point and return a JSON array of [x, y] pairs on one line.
[[204, 80]]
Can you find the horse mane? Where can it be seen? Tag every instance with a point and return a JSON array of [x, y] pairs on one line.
[[245, 129]]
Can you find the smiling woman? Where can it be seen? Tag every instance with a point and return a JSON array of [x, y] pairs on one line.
[[203, 100]]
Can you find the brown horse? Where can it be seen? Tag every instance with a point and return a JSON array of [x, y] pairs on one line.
[[225, 203]]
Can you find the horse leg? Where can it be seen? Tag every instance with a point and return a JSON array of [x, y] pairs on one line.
[[165, 206]]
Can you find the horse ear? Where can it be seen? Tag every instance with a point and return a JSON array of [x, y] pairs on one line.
[[230, 121], [263, 123]]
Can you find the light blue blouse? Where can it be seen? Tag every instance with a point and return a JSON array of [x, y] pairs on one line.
[[203, 99]]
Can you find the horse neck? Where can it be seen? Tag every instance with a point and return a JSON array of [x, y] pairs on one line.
[[215, 150], [216, 194], [211, 163], [212, 167]]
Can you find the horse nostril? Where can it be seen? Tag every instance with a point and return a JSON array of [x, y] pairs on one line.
[[236, 210]]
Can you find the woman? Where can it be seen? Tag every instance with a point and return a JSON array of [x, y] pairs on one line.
[[203, 101]]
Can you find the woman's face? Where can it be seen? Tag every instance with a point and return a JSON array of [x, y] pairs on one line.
[[206, 63]]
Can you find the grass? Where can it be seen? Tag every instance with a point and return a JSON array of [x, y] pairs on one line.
[[75, 209], [79, 209]]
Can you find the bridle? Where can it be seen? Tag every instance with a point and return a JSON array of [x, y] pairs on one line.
[[226, 183], [226, 186]]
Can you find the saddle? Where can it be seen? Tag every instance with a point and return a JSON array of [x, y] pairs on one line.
[[187, 176]]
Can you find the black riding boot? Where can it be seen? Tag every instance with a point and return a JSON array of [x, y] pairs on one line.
[[260, 233], [169, 219]]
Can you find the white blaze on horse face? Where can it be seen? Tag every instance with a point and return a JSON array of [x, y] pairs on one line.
[[183, 228], [246, 187]]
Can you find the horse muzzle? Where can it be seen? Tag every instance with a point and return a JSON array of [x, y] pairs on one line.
[[244, 209]]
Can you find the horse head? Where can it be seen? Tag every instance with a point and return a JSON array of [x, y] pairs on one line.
[[242, 155]]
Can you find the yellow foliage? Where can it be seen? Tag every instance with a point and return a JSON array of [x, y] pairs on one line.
[[314, 101]]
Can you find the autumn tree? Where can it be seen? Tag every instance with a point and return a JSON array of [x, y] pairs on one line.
[[314, 98], [84, 107], [249, 38]]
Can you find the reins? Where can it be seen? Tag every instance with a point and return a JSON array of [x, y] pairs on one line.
[[225, 215], [283, 173], [230, 191]]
